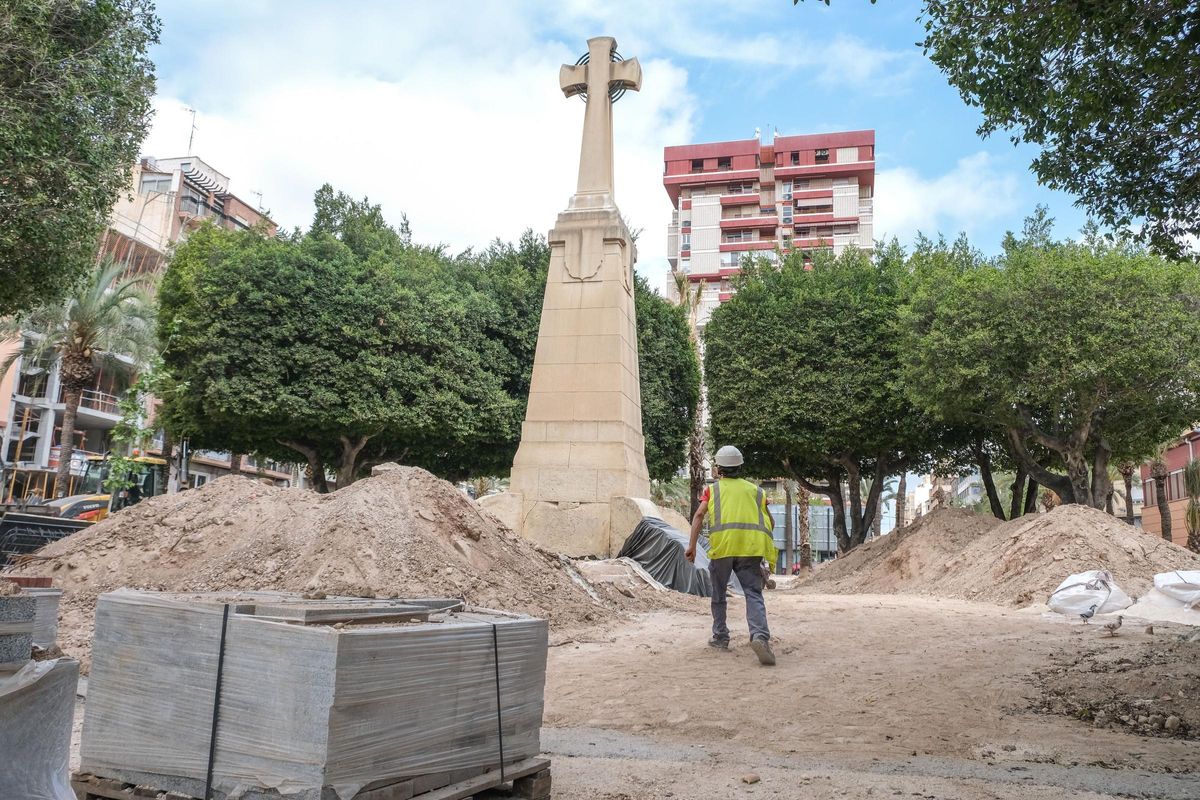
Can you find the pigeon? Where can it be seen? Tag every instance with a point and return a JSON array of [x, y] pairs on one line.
[[1087, 615], [1113, 627]]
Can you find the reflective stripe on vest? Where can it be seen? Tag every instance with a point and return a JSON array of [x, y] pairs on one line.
[[717, 525]]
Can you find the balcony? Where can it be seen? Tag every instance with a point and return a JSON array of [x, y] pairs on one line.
[[755, 221], [100, 402], [740, 199]]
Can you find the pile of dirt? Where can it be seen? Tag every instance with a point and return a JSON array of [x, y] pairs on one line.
[[402, 532], [953, 553], [1147, 688]]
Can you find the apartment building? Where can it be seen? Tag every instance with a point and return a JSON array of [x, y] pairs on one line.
[[1176, 457], [747, 198], [167, 199]]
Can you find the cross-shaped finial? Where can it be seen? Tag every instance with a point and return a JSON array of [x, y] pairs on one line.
[[600, 78]]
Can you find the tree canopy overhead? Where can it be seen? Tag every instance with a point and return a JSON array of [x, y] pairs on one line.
[[1074, 353], [1107, 88], [75, 89], [802, 376]]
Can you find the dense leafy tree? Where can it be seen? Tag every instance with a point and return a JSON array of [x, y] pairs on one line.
[[1076, 354], [75, 91], [670, 373], [106, 321], [304, 346], [1107, 88], [802, 375]]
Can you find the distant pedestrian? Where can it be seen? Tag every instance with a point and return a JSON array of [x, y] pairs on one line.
[[740, 539]]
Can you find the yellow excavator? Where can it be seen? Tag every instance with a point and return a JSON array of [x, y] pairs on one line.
[[32, 523]]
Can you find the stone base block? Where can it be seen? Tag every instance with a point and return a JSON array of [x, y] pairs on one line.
[[508, 507], [573, 529]]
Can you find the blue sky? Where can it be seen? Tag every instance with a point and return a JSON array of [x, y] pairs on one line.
[[450, 112]]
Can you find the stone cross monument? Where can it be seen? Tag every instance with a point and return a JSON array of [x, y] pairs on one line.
[[582, 451]]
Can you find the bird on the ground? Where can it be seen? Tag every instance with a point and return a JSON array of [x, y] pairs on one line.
[[1086, 615], [1113, 627]]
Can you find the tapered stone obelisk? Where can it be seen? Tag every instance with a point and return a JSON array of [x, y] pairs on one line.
[[581, 444]]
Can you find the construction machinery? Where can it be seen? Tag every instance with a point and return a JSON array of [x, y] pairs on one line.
[[33, 522]]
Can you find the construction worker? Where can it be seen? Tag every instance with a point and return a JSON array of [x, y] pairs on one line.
[[740, 539]]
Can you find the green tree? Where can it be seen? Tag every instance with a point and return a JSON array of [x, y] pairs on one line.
[[670, 375], [345, 359], [108, 320], [1191, 483], [75, 89], [1076, 354], [802, 375], [1106, 88]]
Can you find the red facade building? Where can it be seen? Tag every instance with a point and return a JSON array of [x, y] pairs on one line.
[[734, 199]]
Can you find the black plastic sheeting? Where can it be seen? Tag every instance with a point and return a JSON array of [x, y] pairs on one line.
[[659, 548]]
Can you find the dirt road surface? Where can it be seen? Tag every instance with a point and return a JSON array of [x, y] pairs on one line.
[[873, 697]]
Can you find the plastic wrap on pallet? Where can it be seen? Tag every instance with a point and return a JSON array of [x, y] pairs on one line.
[[37, 709], [660, 549], [45, 616], [304, 707]]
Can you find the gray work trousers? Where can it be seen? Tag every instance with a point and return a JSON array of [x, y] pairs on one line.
[[749, 575]]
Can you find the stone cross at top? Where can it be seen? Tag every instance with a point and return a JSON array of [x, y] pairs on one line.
[[597, 78]]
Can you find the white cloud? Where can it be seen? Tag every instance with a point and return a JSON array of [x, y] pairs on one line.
[[471, 138], [974, 193]]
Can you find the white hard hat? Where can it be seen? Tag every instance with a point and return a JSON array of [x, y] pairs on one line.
[[729, 456]]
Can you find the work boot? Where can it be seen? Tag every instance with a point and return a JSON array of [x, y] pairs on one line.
[[762, 649], [718, 644]]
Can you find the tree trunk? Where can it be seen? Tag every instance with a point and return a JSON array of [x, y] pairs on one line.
[[349, 465], [901, 500], [1018, 494], [1193, 541], [877, 525], [802, 501], [315, 464], [1164, 509], [235, 463], [66, 449], [788, 532], [1108, 503], [1031, 495], [1128, 478], [984, 462], [696, 479]]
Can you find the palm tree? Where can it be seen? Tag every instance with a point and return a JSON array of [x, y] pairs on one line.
[[1191, 483], [689, 299], [803, 498], [902, 500], [108, 316], [1158, 471]]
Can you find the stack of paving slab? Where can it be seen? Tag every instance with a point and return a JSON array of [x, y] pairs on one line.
[[318, 698], [37, 700]]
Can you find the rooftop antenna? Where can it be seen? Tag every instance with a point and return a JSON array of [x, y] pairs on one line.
[[192, 132], [758, 133], [258, 194]]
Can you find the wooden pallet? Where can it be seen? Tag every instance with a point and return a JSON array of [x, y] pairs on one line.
[[530, 780]]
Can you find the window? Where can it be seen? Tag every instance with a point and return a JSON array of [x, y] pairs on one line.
[[767, 212], [155, 183], [724, 163], [686, 240], [687, 223], [822, 155], [697, 165], [796, 158], [739, 236], [787, 241], [730, 259]]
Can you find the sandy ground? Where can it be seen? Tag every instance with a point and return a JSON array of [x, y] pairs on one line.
[[874, 696]]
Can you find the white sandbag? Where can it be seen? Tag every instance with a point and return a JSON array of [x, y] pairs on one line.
[[1093, 591], [1182, 585]]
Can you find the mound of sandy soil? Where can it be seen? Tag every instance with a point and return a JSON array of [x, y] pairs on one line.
[[402, 532], [953, 553]]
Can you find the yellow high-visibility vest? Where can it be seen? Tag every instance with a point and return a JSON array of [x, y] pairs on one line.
[[738, 521]]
